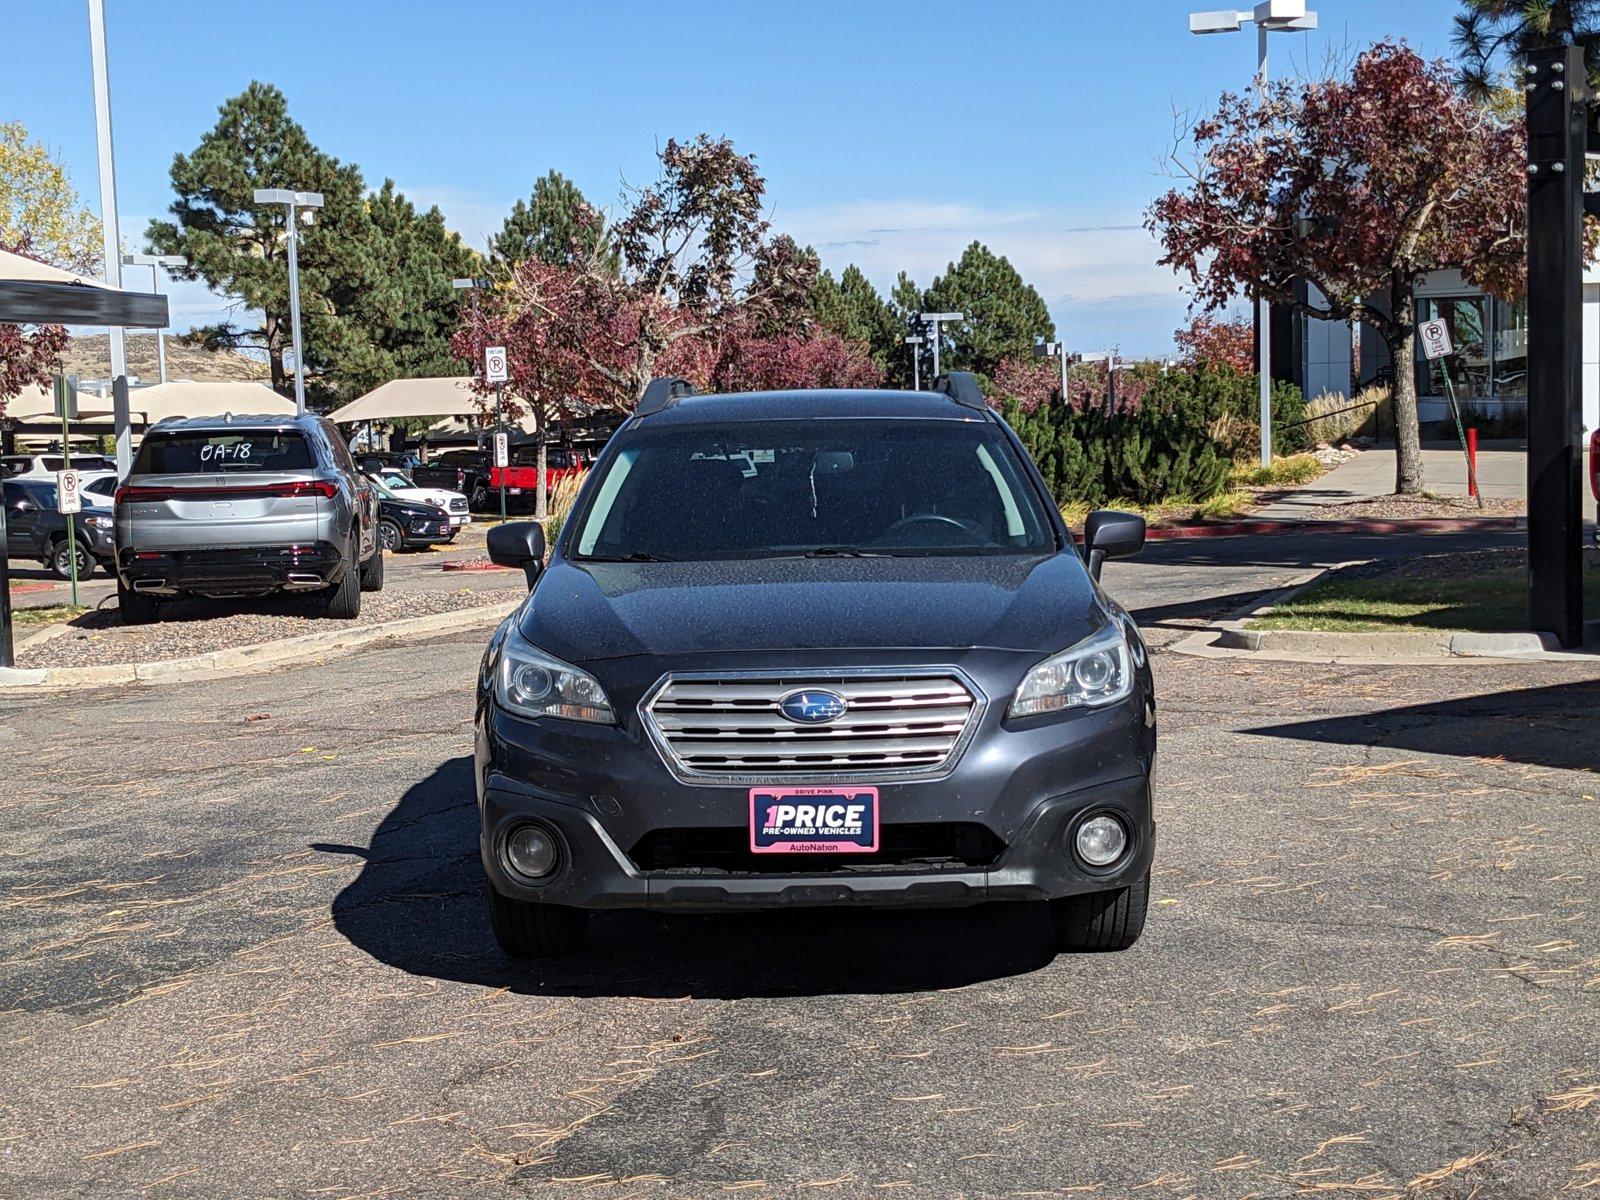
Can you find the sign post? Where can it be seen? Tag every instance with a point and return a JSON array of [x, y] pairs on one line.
[[69, 494], [495, 371], [1437, 346], [1560, 113]]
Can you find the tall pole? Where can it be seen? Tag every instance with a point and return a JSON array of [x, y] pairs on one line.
[[1557, 94], [161, 334], [294, 311], [934, 328], [1263, 306], [112, 241]]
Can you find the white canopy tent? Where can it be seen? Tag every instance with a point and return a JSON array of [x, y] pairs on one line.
[[437, 396], [20, 266], [182, 398]]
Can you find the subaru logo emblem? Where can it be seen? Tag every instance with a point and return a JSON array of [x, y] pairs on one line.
[[813, 706]]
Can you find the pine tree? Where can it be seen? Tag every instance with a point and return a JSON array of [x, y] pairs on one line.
[[554, 225], [905, 302], [375, 297], [852, 308], [1003, 313]]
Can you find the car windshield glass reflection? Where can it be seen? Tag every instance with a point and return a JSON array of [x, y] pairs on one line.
[[816, 489]]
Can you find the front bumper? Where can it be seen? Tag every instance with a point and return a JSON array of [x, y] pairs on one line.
[[233, 572], [1022, 785]]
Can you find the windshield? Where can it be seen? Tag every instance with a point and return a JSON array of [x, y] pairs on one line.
[[790, 488], [223, 451], [394, 479]]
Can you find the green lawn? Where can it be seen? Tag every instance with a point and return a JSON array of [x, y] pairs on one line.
[[1428, 595], [28, 618]]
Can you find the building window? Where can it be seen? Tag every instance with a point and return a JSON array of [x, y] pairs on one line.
[[1491, 348]]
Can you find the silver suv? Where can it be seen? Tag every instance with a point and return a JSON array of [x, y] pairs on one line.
[[245, 506]]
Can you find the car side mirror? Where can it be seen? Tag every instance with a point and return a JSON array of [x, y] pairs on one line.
[[518, 544], [1108, 533]]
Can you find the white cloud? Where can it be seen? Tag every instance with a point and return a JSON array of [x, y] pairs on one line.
[[1100, 279]]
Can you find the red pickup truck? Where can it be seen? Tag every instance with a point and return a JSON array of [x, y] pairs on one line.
[[522, 476]]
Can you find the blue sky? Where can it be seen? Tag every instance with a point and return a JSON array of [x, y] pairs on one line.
[[891, 134]]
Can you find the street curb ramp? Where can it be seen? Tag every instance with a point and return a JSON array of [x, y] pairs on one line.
[[241, 660]]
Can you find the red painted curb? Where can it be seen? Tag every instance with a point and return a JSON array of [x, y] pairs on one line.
[[472, 566], [1393, 525], [18, 589]]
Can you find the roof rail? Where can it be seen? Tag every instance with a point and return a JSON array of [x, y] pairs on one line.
[[962, 387], [662, 394]]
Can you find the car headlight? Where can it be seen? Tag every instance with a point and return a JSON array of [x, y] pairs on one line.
[[534, 684], [97, 522], [1095, 672]]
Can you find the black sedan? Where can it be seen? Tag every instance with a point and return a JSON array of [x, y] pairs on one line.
[[408, 524], [34, 529]]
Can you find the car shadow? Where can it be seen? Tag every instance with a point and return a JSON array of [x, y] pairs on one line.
[[1557, 725], [419, 904]]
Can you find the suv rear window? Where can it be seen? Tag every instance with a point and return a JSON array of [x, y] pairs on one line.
[[223, 452]]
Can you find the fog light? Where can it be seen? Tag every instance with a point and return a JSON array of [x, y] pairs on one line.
[[531, 851], [1101, 840]]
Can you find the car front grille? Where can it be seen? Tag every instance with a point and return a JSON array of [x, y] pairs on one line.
[[730, 727], [458, 504]]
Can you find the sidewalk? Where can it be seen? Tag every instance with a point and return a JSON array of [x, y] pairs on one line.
[[1502, 474]]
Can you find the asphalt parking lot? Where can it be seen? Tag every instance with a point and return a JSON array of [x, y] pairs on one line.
[[244, 954]]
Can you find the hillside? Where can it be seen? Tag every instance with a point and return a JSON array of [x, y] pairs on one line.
[[90, 358]]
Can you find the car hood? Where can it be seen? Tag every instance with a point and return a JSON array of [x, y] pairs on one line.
[[426, 495], [583, 612]]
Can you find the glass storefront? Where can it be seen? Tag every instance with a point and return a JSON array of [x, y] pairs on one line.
[[1491, 342]]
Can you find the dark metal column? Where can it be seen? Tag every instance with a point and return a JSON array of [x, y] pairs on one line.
[[1557, 97]]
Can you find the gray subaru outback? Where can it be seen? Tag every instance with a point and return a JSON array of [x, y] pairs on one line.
[[245, 506]]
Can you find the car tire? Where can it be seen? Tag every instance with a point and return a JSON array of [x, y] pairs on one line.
[[480, 498], [342, 602], [372, 571], [390, 536], [135, 609], [60, 561], [1100, 921], [532, 930]]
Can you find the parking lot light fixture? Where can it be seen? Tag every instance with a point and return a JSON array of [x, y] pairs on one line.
[[933, 321], [293, 202], [1270, 16], [1044, 349], [155, 262]]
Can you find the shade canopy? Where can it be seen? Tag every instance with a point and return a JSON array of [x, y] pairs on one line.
[[20, 266], [437, 396], [185, 399]]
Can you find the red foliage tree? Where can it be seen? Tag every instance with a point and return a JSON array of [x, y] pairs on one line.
[[28, 359], [794, 360], [1359, 186], [1206, 341], [1029, 381]]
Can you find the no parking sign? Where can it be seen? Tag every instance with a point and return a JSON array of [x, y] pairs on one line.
[[1435, 338]]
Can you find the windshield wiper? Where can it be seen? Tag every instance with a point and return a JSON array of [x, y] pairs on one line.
[[637, 556], [843, 552]]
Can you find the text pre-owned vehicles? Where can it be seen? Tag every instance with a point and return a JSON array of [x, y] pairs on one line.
[[399, 484], [409, 524], [246, 506], [34, 529], [815, 648]]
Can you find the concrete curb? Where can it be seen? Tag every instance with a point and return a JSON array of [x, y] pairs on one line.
[[240, 660], [1231, 639]]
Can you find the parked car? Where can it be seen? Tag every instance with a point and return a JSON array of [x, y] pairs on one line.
[[246, 506], [409, 524], [100, 484], [401, 485], [522, 476], [821, 648], [464, 471], [34, 529], [41, 466]]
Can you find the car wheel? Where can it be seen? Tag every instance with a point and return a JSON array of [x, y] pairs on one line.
[[1101, 920], [533, 930], [61, 560], [389, 535], [372, 570], [135, 609], [480, 498], [342, 602]]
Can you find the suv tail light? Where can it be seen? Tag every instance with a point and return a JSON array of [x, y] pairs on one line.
[[461, 479], [299, 487]]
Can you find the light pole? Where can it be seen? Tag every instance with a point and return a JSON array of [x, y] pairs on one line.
[[122, 418], [155, 262], [933, 321], [292, 202], [1270, 16], [1044, 349], [916, 361]]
